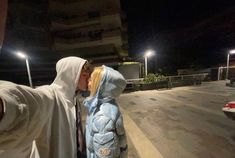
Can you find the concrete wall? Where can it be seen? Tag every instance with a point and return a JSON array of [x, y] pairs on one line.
[[130, 71]]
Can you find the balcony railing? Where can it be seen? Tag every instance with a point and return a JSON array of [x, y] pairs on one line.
[[91, 36], [66, 19]]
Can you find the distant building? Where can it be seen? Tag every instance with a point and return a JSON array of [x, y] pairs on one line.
[[50, 30], [27, 26], [95, 30]]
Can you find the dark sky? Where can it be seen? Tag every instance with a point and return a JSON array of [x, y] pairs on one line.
[[184, 33]]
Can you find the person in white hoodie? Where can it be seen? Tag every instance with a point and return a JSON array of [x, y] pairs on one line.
[[45, 115]]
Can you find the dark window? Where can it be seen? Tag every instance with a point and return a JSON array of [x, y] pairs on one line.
[[93, 14], [95, 35]]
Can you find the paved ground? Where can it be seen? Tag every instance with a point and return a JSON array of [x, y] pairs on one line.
[[185, 122]]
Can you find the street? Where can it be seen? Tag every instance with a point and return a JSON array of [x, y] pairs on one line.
[[184, 122]]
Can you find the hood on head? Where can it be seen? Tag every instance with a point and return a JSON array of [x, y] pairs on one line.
[[112, 84], [68, 73]]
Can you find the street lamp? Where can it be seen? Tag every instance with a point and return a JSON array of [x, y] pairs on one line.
[[147, 54], [23, 56], [230, 52]]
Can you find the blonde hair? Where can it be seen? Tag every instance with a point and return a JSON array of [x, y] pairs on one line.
[[96, 77]]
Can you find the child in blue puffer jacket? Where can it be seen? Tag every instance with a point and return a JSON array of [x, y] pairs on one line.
[[105, 133]]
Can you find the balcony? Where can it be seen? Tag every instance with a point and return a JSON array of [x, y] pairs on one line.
[[69, 23], [65, 22], [89, 40], [69, 6]]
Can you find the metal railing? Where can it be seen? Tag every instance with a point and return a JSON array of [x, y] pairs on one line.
[[173, 81], [134, 80], [201, 76], [184, 80]]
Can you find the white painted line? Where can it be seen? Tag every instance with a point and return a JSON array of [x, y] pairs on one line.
[[142, 144]]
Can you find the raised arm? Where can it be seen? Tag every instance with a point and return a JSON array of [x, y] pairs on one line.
[[25, 112]]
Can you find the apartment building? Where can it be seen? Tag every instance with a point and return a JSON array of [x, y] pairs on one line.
[[95, 30], [47, 30]]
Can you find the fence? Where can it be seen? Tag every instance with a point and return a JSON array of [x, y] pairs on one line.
[[184, 80], [169, 82]]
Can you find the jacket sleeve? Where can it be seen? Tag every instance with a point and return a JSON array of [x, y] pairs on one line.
[[25, 112], [122, 137], [109, 137], [105, 140]]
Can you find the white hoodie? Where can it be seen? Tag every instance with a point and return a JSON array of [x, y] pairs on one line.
[[45, 114]]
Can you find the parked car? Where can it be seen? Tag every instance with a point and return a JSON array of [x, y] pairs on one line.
[[229, 110]]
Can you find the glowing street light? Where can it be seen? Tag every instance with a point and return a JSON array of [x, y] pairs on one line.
[[147, 54], [230, 52], [23, 56]]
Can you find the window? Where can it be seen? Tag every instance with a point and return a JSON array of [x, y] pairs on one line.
[[93, 14]]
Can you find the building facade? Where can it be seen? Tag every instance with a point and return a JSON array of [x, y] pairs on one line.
[[47, 30], [94, 30]]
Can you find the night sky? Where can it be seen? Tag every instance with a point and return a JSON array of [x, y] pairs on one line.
[[183, 33]]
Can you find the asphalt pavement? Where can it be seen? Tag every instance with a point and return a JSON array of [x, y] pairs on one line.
[[184, 122]]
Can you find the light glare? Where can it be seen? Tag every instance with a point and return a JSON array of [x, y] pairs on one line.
[[232, 51], [149, 53], [21, 55]]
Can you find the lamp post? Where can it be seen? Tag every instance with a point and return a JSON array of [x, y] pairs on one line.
[[147, 54], [23, 56], [230, 52]]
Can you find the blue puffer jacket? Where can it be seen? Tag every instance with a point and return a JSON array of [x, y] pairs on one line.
[[105, 134]]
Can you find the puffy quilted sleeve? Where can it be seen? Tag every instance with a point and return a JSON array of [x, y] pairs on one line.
[[109, 139], [122, 137], [105, 140]]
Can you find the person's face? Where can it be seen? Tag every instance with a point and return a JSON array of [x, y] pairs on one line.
[[90, 82], [83, 81]]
